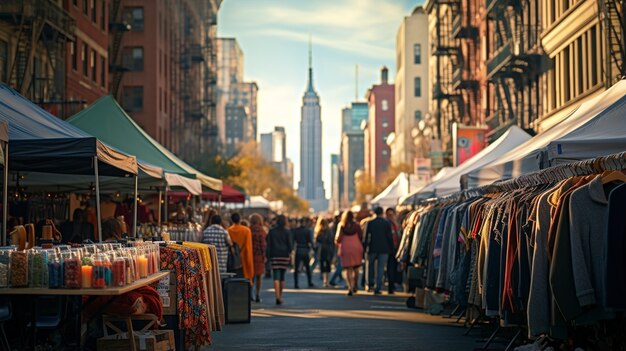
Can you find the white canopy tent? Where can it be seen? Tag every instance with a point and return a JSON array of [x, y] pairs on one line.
[[404, 184], [258, 202], [603, 135], [531, 155], [451, 183], [442, 173]]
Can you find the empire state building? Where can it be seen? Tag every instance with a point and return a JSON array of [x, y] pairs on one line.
[[311, 187]]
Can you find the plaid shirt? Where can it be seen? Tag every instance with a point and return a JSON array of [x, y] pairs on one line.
[[216, 235]]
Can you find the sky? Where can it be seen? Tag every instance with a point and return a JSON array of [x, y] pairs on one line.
[[274, 35]]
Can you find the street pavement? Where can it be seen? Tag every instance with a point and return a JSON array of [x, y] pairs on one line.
[[320, 319]]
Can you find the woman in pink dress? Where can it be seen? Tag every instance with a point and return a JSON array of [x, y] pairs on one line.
[[349, 238]]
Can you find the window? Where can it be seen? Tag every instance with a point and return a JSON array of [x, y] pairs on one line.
[[75, 3], [4, 60], [86, 7], [94, 68], [134, 17], [132, 58], [385, 152], [103, 71], [103, 15], [384, 105], [94, 13], [418, 115], [385, 123], [417, 54], [73, 55], [132, 98], [85, 60], [418, 86]]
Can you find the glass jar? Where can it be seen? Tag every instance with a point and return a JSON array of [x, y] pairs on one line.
[[118, 269], [18, 269], [72, 269], [38, 269], [98, 272], [4, 268], [55, 270]]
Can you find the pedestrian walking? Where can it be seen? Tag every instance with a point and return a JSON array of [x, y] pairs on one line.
[[259, 246], [337, 274], [325, 241], [279, 247], [349, 238], [303, 241], [378, 244], [242, 236], [216, 235], [393, 273]]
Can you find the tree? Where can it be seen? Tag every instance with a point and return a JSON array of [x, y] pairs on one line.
[[258, 177]]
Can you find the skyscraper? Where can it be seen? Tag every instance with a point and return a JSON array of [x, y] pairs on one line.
[[311, 187]]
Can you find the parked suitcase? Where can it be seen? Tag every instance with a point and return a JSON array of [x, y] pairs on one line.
[[237, 300]]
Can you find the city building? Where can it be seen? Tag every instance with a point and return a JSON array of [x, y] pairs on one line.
[[229, 73], [412, 83], [352, 145], [237, 120], [34, 39], [266, 146], [86, 59], [585, 43], [240, 128], [381, 122], [335, 183], [162, 62], [311, 187]]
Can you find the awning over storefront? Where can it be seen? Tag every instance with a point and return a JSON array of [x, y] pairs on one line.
[[531, 155], [44, 143], [107, 120], [451, 182]]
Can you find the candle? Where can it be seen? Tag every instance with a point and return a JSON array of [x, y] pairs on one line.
[[85, 274], [98, 277], [71, 269], [55, 274], [119, 272], [142, 262]]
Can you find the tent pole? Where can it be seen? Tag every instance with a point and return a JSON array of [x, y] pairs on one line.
[[98, 211], [135, 208], [159, 210], [166, 214], [219, 201], [5, 195]]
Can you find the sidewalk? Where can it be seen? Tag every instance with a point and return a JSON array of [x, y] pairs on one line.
[[326, 319]]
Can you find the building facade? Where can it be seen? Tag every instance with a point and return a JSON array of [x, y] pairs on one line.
[[352, 145], [412, 83], [381, 123], [86, 60], [274, 150], [241, 129], [335, 183], [237, 120], [229, 72], [311, 187], [163, 59], [34, 39]]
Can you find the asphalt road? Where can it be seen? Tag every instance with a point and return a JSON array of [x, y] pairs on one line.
[[326, 319]]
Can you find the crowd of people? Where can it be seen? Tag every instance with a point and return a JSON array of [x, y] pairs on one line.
[[339, 245]]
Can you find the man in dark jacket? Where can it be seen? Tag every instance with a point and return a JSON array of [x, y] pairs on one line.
[[378, 244], [303, 242]]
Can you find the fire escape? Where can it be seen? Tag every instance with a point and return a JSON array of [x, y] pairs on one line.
[[513, 66], [117, 27], [210, 81], [612, 19], [41, 28], [447, 54], [464, 75]]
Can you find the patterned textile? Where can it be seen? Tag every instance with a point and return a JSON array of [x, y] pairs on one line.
[[259, 245], [218, 236], [191, 293]]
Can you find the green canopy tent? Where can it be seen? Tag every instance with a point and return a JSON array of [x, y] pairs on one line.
[[108, 121]]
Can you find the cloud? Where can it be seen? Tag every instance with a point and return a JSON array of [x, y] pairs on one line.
[[353, 26]]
